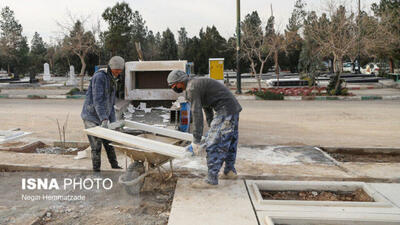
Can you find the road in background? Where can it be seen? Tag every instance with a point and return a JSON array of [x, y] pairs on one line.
[[322, 123]]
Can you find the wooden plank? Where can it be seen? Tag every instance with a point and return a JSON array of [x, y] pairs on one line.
[[158, 130], [137, 142]]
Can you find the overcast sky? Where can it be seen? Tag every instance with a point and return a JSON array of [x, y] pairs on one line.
[[42, 15]]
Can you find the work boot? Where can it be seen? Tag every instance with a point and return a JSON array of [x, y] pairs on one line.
[[203, 184], [116, 167], [210, 182], [229, 176]]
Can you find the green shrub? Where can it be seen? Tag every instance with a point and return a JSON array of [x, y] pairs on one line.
[[310, 77], [73, 91], [331, 89], [267, 95]]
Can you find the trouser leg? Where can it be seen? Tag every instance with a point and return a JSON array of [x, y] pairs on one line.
[[112, 158], [230, 158], [95, 145], [217, 144]]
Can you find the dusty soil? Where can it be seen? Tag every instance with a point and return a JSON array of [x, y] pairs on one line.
[[151, 207], [12, 144], [367, 157], [358, 195]]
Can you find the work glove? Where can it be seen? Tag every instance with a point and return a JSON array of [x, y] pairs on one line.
[[197, 149], [105, 124]]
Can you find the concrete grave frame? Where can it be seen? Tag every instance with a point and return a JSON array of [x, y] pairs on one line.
[[131, 68], [312, 218], [381, 204]]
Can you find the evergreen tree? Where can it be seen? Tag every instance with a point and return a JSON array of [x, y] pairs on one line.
[[296, 20], [388, 11], [213, 45], [252, 21], [153, 48], [13, 45], [139, 33], [125, 28], [182, 42], [38, 53], [192, 53], [309, 59], [169, 48], [292, 34], [118, 37]]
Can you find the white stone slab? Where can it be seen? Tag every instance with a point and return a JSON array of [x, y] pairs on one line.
[[159, 130], [155, 65], [151, 94], [389, 191], [229, 203], [11, 135], [138, 142], [313, 218], [381, 204]]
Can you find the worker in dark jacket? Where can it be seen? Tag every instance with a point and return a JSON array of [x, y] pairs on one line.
[[98, 109], [222, 138]]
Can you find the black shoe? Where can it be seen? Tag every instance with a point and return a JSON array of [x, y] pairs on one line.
[[116, 167]]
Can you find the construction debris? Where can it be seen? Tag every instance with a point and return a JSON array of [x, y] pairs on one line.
[[83, 154], [8, 135], [56, 150]]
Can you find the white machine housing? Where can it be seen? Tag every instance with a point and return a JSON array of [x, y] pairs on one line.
[[147, 80]]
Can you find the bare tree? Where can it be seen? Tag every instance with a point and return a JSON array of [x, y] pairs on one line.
[[379, 39], [277, 44], [78, 41], [254, 47], [335, 33]]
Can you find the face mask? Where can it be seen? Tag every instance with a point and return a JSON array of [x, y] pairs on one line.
[[178, 90]]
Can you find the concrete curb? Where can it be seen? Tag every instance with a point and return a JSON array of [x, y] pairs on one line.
[[327, 98], [344, 98], [363, 88], [240, 97], [8, 96], [349, 88]]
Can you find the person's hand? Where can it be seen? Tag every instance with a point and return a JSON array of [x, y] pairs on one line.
[[105, 124], [197, 149]]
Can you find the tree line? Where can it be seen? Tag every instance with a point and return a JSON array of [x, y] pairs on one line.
[[312, 38], [309, 39]]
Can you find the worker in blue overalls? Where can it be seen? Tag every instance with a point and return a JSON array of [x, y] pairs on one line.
[[98, 109], [222, 138]]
